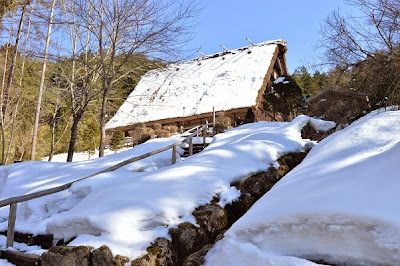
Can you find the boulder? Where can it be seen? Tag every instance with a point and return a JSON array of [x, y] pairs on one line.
[[161, 252], [197, 258], [289, 161], [308, 132], [212, 218], [67, 256], [254, 187], [102, 256], [188, 239]]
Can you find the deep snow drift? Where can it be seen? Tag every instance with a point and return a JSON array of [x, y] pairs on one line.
[[341, 204], [129, 208]]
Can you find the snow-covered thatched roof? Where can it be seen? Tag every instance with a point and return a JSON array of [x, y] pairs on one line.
[[224, 81]]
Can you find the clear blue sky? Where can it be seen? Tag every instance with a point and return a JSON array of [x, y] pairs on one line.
[[229, 22]]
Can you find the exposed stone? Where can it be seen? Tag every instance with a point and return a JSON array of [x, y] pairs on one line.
[[289, 161], [239, 207], [254, 187], [187, 239], [308, 132], [220, 236], [102, 256], [212, 218], [67, 256], [197, 258], [258, 184], [161, 252], [120, 260]]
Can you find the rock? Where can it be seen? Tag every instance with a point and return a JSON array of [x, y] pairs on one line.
[[197, 258], [120, 260], [258, 184], [102, 256], [290, 161], [161, 252], [254, 187], [67, 256], [188, 239], [220, 236], [212, 218], [239, 207], [308, 132]]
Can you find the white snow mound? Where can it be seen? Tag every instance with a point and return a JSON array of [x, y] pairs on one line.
[[129, 208], [341, 204]]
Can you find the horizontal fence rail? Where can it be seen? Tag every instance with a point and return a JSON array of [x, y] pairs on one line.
[[14, 200]]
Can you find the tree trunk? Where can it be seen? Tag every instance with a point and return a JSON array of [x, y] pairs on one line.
[[74, 136], [14, 118], [13, 62], [53, 136], [103, 123], [41, 88]]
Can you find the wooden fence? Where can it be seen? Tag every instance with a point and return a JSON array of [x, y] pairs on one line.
[[15, 200]]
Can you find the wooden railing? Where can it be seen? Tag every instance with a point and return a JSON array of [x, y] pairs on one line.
[[15, 200]]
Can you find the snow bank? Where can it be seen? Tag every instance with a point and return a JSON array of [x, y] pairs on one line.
[[129, 208], [222, 81], [5, 263], [82, 156], [341, 204]]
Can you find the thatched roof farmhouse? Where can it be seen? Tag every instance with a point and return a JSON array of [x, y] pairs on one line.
[[186, 94]]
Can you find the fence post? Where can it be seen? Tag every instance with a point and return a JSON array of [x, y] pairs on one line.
[[11, 225], [204, 135], [174, 155], [191, 146]]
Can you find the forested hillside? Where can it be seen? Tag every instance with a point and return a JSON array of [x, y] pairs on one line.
[[66, 66]]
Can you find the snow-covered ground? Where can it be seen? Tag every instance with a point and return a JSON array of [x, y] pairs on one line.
[[5, 263], [82, 156], [341, 204], [129, 208]]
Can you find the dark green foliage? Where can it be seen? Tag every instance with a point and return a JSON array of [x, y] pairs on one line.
[[89, 136], [309, 84], [117, 139], [285, 98], [250, 117]]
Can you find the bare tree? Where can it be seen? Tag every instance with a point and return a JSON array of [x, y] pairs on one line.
[[127, 27], [42, 79], [347, 39], [19, 91], [368, 46]]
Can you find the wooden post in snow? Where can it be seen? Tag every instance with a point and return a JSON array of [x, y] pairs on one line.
[[213, 116], [11, 225], [204, 135], [174, 155], [190, 146]]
